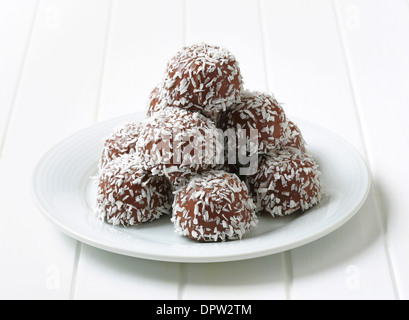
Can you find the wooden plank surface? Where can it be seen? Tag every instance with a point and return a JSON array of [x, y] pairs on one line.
[[17, 19], [307, 71], [239, 21], [376, 42], [235, 25], [104, 275], [142, 38], [254, 279], [57, 87], [137, 50], [341, 64]]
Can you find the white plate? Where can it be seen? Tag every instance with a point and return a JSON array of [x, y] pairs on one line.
[[65, 192]]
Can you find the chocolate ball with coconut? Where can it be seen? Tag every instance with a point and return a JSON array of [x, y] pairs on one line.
[[285, 183], [156, 102], [214, 206], [258, 119], [202, 77], [177, 143], [293, 138], [121, 141], [128, 195]]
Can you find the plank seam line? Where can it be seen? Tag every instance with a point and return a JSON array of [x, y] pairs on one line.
[[10, 113], [285, 256], [97, 106], [182, 280], [185, 21], [263, 44], [287, 263], [78, 250], [359, 115]]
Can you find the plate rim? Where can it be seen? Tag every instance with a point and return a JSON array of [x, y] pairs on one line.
[[176, 257]]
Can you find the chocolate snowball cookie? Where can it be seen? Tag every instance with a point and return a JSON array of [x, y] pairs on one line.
[[215, 206], [258, 119], [285, 183], [204, 77], [121, 141], [178, 143], [128, 195]]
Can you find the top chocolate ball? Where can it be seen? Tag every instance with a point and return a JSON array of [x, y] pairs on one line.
[[203, 77]]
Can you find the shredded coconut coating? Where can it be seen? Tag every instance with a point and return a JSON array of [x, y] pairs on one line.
[[214, 206], [293, 138], [128, 195], [203, 77], [177, 143], [285, 183], [121, 141], [154, 101], [259, 111]]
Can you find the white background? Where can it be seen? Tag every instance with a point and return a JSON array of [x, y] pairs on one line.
[[343, 64]]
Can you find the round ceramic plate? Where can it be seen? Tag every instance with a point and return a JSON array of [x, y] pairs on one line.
[[64, 187]]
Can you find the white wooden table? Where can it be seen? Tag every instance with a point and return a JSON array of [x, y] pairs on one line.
[[343, 64]]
